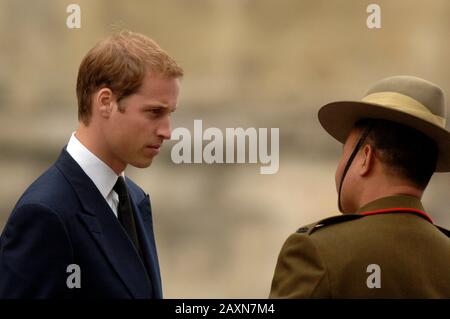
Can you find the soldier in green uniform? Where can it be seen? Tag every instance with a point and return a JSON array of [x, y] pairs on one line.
[[384, 245]]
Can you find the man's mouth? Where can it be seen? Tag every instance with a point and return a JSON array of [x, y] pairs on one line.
[[154, 148]]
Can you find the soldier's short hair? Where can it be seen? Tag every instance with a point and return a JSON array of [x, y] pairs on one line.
[[405, 152]]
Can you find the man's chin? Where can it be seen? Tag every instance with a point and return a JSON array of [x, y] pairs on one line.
[[142, 164]]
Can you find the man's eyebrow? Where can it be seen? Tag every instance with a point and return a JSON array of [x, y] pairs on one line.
[[160, 106], [156, 105]]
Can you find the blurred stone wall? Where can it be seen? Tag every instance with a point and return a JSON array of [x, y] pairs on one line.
[[248, 63]]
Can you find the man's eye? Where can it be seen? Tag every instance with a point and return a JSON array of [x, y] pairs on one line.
[[155, 111]]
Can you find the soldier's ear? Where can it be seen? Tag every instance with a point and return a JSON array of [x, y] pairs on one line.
[[368, 160]]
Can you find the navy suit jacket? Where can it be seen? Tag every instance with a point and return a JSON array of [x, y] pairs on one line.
[[63, 219]]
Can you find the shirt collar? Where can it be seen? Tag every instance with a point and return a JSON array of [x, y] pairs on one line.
[[396, 203], [98, 171]]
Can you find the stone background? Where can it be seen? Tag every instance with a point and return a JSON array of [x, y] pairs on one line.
[[248, 63]]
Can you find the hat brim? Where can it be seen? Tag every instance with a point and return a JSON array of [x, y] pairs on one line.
[[338, 119]]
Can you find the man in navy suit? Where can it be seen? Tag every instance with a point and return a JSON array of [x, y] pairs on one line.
[[83, 229]]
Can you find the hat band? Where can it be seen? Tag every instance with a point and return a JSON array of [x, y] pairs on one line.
[[405, 104]]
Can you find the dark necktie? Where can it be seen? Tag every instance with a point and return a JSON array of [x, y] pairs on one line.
[[125, 212]]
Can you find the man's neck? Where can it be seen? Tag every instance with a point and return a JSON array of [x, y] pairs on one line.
[[85, 135]]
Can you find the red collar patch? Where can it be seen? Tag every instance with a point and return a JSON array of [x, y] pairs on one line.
[[399, 210]]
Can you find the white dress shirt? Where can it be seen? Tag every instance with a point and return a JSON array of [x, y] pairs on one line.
[[101, 174]]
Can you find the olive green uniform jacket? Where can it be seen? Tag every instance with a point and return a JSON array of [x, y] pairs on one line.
[[388, 249]]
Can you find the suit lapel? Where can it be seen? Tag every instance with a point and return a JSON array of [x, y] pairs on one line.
[[145, 229], [106, 229]]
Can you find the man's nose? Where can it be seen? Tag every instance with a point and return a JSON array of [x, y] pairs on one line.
[[165, 129]]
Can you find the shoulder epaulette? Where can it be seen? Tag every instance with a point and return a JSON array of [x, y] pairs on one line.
[[445, 231], [309, 229]]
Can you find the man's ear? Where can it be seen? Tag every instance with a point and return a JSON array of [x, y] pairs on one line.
[[368, 160], [103, 101]]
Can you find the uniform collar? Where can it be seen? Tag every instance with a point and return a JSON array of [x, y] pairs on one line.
[[396, 203]]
